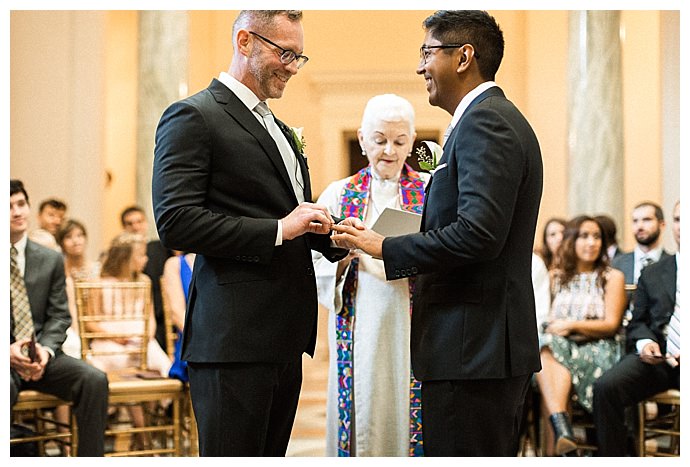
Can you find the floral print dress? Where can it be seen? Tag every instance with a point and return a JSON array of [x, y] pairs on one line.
[[580, 299]]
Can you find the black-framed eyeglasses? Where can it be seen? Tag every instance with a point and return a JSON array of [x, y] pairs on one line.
[[425, 50], [286, 56]]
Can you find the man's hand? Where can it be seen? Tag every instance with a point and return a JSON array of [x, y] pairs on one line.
[[651, 354], [351, 233], [306, 218], [23, 365]]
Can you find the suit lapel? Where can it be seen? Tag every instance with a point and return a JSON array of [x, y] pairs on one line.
[[236, 109], [301, 160], [668, 279], [34, 260]]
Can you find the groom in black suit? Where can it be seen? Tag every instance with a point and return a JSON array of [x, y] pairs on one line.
[[231, 184], [474, 332]]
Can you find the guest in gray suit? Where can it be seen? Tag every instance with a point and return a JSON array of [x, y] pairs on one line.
[[37, 274]]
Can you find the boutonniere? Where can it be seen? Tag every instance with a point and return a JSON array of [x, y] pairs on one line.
[[428, 155], [297, 137]]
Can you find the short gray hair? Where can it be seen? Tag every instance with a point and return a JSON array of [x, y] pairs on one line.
[[262, 19], [389, 108]]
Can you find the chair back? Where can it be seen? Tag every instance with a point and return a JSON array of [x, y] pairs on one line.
[[114, 322], [170, 334]]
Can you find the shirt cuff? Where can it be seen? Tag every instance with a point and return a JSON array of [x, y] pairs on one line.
[[639, 345], [279, 235], [50, 351]]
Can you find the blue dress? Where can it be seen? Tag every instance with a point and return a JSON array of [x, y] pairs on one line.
[[179, 366]]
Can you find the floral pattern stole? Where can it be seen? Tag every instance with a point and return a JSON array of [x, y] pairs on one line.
[[353, 203]]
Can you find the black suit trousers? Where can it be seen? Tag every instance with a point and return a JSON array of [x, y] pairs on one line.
[[245, 409], [473, 417], [627, 383], [82, 384]]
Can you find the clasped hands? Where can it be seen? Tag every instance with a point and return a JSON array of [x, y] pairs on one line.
[[651, 354], [350, 233], [28, 370]]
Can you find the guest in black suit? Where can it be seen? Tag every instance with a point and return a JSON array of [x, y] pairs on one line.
[[655, 366], [474, 333], [53, 372], [232, 187]]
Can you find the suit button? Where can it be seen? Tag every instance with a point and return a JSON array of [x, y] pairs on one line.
[[310, 272], [414, 270], [237, 258], [244, 258], [256, 259]]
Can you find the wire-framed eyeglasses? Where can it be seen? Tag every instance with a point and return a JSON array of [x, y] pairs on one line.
[[286, 56], [425, 50]]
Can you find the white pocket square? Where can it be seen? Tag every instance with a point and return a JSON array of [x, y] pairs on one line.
[[439, 167]]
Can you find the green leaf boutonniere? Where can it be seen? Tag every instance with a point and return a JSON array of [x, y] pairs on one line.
[[299, 139], [428, 155]]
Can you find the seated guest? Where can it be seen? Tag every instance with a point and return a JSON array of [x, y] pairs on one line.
[[608, 225], [39, 308], [177, 275], [579, 342], [133, 220], [72, 240], [655, 366], [51, 213], [552, 237], [125, 262]]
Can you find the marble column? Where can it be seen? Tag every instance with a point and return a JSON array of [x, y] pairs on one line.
[[595, 132], [163, 59]]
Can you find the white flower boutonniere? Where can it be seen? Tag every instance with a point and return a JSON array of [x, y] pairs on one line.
[[299, 139], [428, 155]]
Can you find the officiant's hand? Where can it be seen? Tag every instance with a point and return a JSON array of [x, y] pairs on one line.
[[352, 234]]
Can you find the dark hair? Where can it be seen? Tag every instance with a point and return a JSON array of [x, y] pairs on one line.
[[567, 258], [16, 186], [546, 254], [474, 27], [658, 212], [69, 226], [129, 210], [53, 203], [608, 229]]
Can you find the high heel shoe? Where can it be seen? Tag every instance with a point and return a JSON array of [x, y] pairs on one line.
[[563, 434]]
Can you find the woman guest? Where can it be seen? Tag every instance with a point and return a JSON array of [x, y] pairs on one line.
[[177, 274], [579, 342], [551, 241], [373, 401], [72, 239], [125, 262]]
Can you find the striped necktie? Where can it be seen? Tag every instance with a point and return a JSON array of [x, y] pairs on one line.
[[21, 309], [673, 328], [285, 151]]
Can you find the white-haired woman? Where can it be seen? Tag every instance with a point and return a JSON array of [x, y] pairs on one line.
[[373, 406]]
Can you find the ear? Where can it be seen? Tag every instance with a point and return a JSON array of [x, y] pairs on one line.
[[242, 41], [465, 58]]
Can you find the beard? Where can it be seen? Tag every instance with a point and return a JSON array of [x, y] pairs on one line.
[[650, 239]]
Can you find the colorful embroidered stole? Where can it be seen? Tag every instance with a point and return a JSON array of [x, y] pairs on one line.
[[354, 204]]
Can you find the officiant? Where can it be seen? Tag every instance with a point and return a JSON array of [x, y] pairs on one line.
[[373, 406]]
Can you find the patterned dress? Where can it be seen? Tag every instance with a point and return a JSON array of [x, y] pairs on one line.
[[581, 299]]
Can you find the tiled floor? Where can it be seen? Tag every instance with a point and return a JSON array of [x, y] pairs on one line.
[[309, 431]]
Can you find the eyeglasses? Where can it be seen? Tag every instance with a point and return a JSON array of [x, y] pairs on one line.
[[425, 50], [286, 56]]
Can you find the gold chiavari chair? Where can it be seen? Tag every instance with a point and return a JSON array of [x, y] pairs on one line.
[[651, 429], [35, 410], [121, 311]]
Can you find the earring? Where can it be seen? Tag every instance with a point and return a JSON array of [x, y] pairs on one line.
[[364, 153], [409, 154]]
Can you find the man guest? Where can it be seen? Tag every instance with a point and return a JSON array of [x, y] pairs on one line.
[[474, 333], [230, 184]]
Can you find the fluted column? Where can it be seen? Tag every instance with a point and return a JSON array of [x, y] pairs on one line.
[[595, 133], [163, 58]]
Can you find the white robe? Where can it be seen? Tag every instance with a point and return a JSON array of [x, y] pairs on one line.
[[381, 341]]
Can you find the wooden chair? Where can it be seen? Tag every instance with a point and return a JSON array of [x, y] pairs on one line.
[[34, 410], [112, 310], [190, 441], [650, 429]]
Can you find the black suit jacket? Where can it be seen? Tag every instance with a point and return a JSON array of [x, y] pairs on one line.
[[219, 185], [654, 302], [626, 264], [44, 278], [474, 313]]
